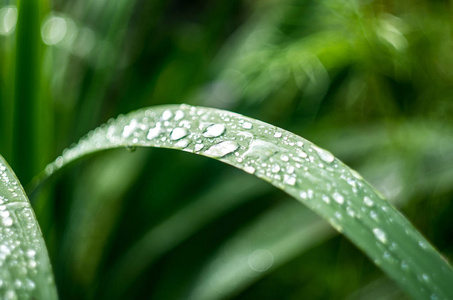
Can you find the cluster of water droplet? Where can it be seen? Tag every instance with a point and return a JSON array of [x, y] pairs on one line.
[[20, 240], [307, 172]]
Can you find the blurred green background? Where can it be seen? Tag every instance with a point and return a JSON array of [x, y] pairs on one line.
[[372, 81]]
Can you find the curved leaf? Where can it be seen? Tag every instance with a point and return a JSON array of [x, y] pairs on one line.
[[308, 173], [25, 271]]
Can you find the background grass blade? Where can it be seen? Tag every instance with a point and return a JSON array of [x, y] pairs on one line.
[[258, 249], [32, 107], [25, 269], [308, 173], [224, 197]]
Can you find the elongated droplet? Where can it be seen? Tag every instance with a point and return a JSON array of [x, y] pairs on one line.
[[214, 130], [222, 149], [325, 155], [261, 149], [179, 115], [338, 198], [166, 115], [178, 133], [129, 129], [154, 132], [368, 201], [380, 235]]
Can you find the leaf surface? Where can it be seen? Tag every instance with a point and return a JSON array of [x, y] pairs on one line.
[[25, 271]]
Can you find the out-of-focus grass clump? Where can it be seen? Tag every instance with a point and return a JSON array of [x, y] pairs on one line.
[[372, 81]]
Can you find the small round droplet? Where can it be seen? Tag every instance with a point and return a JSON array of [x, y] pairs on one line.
[[326, 199], [278, 134]]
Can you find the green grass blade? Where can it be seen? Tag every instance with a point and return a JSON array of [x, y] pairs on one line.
[[25, 271], [32, 116], [163, 237], [278, 236], [308, 173]]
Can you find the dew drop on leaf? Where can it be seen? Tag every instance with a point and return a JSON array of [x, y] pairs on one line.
[[247, 125], [214, 130], [178, 133], [221, 149], [338, 198], [368, 201], [324, 155], [380, 235], [154, 132]]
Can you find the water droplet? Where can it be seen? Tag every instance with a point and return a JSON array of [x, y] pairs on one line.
[[198, 147], [326, 199], [278, 134], [260, 148], [422, 245], [129, 129], [380, 235], [214, 130], [299, 143], [404, 265], [222, 149], [425, 277], [179, 115], [325, 155], [131, 148], [247, 125], [302, 154], [178, 133], [182, 144], [261, 260], [338, 198], [7, 221], [284, 157], [350, 212], [289, 179], [31, 253], [275, 168], [356, 175], [154, 132], [374, 215], [249, 169], [166, 115], [368, 201]]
